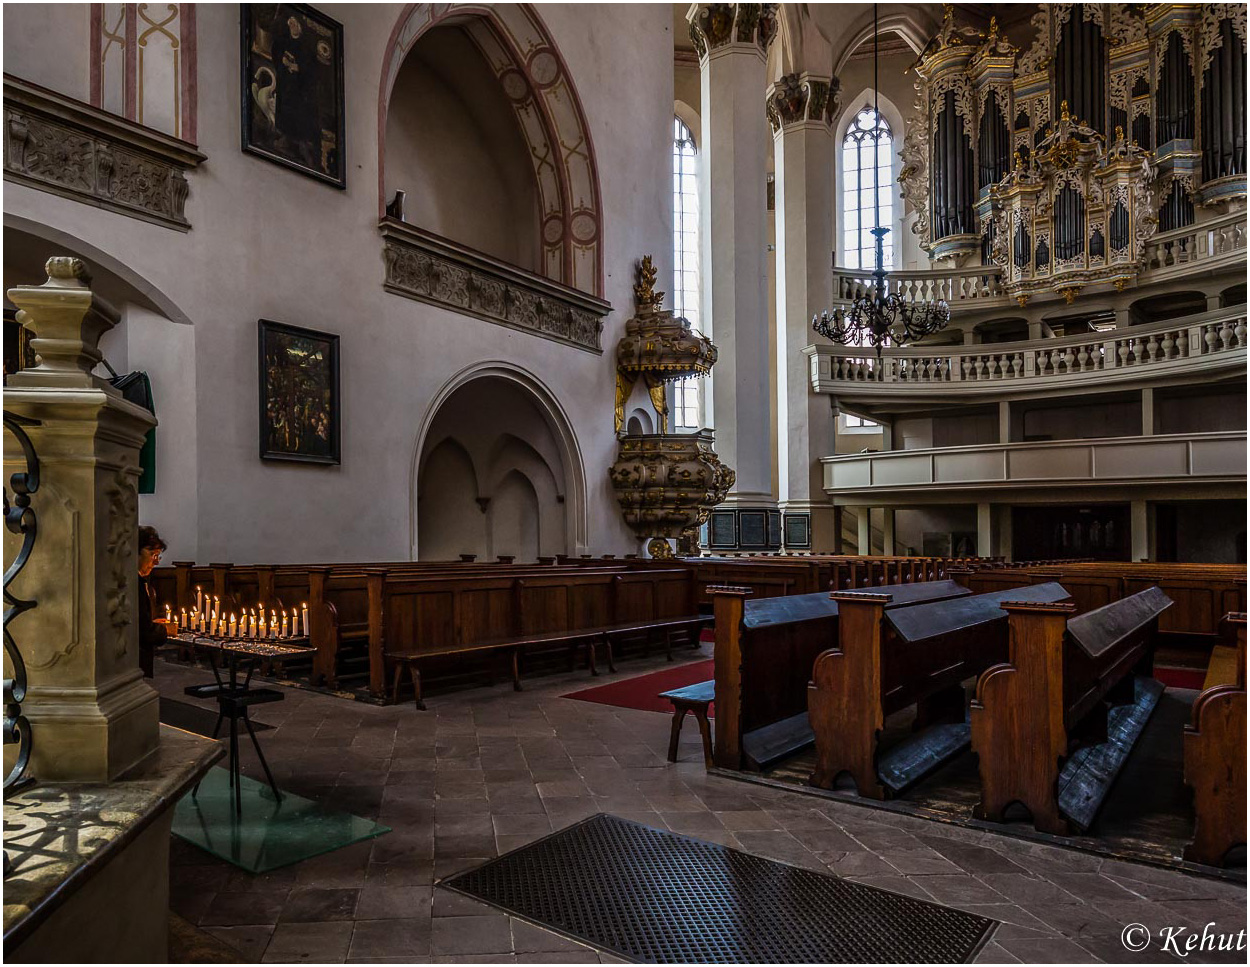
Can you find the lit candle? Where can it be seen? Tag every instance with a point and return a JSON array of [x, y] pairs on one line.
[[183, 622], [199, 603], [304, 623], [273, 624], [251, 629], [283, 635], [233, 625], [263, 632], [168, 616], [294, 623]]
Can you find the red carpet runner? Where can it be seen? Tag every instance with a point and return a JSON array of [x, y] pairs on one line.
[[643, 691]]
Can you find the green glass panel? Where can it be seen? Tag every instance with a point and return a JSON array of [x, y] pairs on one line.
[[268, 834]]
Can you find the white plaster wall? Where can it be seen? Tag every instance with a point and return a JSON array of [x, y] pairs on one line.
[[34, 31], [269, 243]]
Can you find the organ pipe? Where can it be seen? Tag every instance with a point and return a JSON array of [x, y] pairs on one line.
[[994, 143], [1224, 108], [1081, 69], [1174, 99], [1013, 143]]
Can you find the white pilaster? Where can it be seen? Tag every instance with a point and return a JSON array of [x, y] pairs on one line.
[[799, 109], [732, 40]]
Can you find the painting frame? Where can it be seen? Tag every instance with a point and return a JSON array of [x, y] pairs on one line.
[[248, 70], [266, 329]]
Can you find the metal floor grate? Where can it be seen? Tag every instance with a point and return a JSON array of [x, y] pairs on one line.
[[656, 897]]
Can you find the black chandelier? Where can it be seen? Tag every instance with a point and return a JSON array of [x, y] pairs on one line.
[[879, 316]]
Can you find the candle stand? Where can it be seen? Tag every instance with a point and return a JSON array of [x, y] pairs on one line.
[[235, 697]]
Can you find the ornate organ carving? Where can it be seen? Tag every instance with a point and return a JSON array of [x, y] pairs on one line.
[[1058, 160]]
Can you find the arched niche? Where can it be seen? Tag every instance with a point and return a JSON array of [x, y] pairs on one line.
[[513, 53], [153, 335], [488, 426]]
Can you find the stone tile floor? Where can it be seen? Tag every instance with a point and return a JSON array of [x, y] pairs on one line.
[[487, 770]]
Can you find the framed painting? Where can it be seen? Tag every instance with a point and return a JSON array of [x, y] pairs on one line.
[[299, 394], [292, 88]]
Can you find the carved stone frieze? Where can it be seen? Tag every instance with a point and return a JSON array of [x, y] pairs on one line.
[[56, 144], [432, 269], [715, 25]]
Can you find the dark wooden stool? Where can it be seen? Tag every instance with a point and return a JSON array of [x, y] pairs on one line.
[[694, 699]]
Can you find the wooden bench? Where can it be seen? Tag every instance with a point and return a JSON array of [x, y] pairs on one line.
[[764, 654], [888, 659], [516, 645], [694, 699], [1215, 752], [412, 662], [1041, 723]]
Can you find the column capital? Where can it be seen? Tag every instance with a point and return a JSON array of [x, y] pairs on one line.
[[717, 25], [796, 99]]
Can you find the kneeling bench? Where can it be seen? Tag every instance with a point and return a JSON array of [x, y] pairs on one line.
[[694, 699]]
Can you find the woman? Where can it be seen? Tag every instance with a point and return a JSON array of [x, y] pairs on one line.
[[151, 634]]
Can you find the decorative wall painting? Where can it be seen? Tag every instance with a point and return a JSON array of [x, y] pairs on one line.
[[292, 88], [299, 394]]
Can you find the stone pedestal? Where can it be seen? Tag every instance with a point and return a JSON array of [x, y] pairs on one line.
[[92, 715]]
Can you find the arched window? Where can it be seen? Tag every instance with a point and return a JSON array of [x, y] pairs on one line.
[[867, 141], [684, 399]]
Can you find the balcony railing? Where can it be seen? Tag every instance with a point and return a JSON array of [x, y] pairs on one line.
[[1201, 341], [1213, 458], [1212, 244]]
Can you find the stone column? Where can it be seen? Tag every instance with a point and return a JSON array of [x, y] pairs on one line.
[[1148, 411], [91, 713], [887, 532], [731, 40], [800, 109], [1139, 530], [985, 530], [863, 518]]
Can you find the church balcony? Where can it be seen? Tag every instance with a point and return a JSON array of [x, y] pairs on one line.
[[60, 145], [1207, 345], [1211, 247], [1103, 467], [429, 268]]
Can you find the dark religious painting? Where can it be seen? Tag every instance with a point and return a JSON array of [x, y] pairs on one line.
[[299, 394], [293, 88]]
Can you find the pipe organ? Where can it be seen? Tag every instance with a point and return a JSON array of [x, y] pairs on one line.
[[1059, 160]]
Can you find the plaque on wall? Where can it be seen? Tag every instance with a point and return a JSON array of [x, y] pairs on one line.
[[752, 528], [774, 528], [798, 530], [723, 529], [292, 89]]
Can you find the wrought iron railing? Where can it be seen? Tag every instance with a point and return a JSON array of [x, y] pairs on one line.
[[19, 518]]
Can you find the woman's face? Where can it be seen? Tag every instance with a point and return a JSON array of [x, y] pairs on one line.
[[149, 557]]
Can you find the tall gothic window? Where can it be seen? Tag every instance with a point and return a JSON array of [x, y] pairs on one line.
[[684, 399], [867, 141]]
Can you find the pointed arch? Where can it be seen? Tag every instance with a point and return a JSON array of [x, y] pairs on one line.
[[536, 81]]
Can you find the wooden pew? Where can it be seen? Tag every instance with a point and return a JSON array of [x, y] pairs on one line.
[[887, 659], [1040, 723], [1215, 752], [764, 654]]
